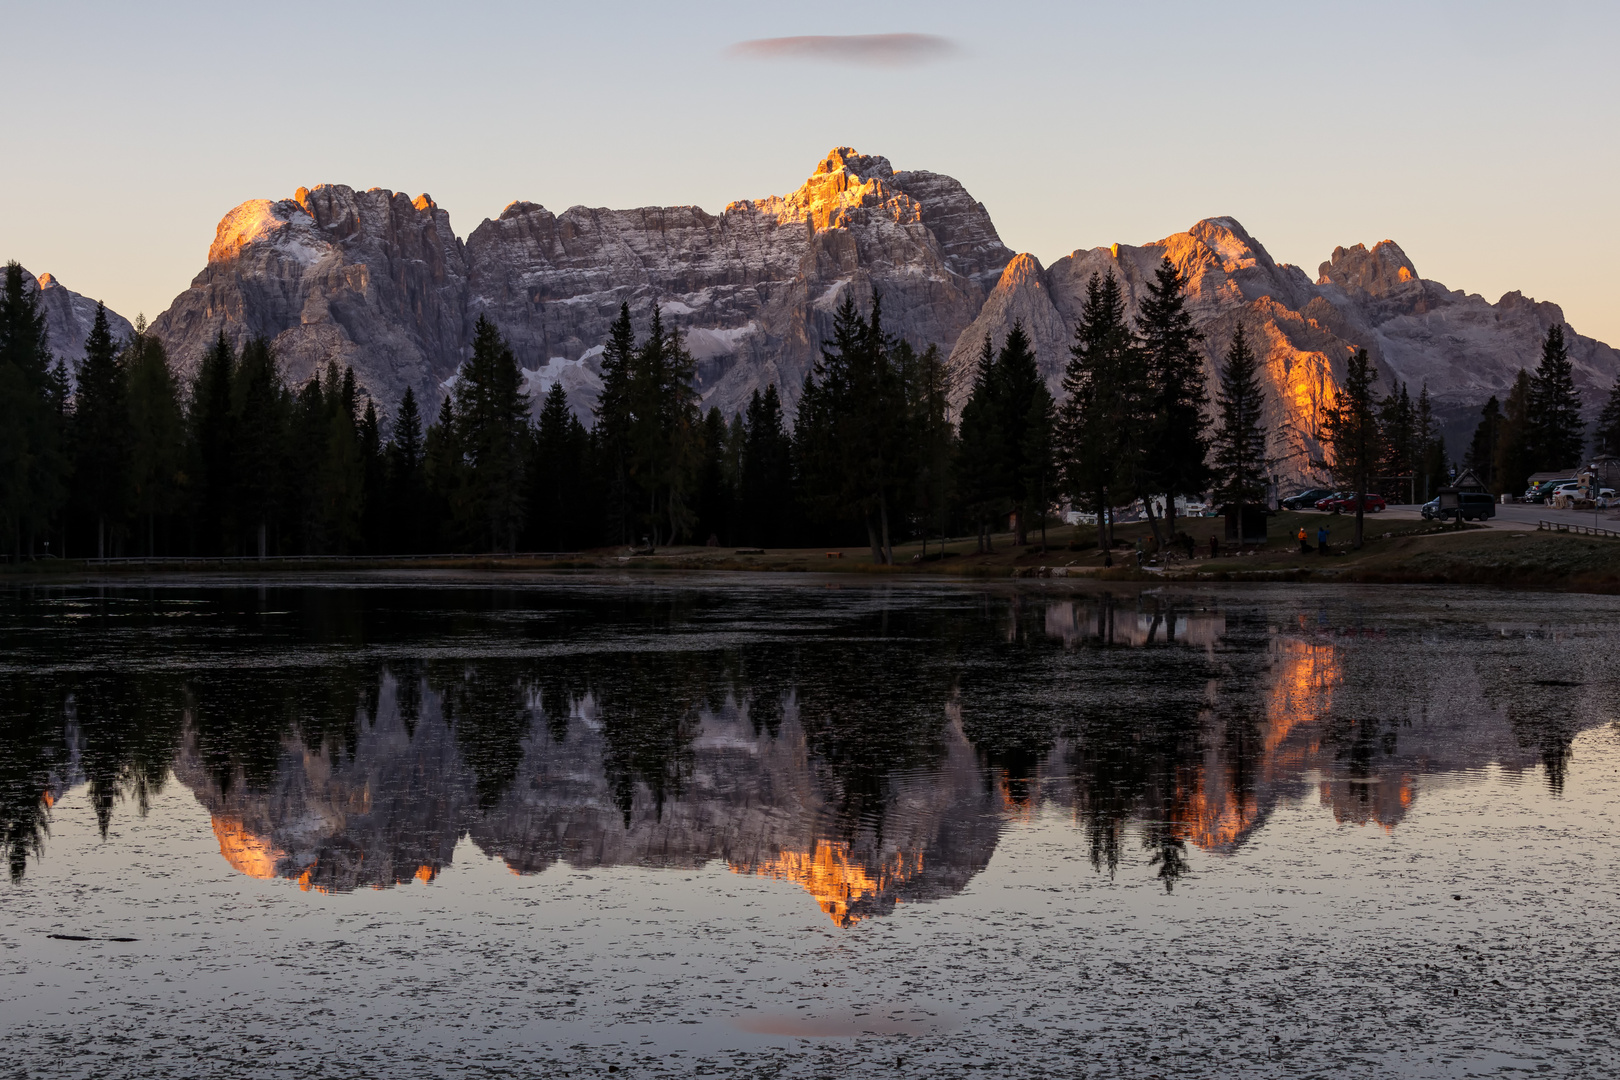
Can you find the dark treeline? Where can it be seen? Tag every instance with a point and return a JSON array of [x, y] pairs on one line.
[[128, 460]]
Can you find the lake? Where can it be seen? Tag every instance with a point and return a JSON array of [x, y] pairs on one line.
[[803, 826]]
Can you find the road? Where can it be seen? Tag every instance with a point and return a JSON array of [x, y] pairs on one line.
[[1519, 516]]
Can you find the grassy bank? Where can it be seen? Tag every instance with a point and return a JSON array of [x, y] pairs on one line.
[[1395, 551]]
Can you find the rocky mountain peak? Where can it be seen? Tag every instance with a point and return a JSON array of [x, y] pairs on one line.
[[862, 166], [1379, 272], [68, 318]]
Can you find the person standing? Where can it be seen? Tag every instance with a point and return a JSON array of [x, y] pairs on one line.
[[1304, 544], [1321, 539]]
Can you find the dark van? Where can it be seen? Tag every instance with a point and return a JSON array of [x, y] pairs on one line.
[[1474, 506]]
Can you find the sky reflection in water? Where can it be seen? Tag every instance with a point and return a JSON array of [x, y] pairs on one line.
[[871, 746]]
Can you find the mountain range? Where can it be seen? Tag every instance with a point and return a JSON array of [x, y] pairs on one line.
[[380, 281]]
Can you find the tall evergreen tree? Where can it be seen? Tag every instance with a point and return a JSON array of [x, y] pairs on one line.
[[1099, 435], [1238, 450], [1514, 451], [1350, 427], [157, 433], [1481, 455], [1606, 439], [1027, 417], [374, 485], [1177, 447], [444, 474], [767, 474], [714, 495], [556, 475], [1399, 440], [612, 430], [935, 442], [407, 506], [1556, 429], [34, 466], [210, 450], [1433, 467], [982, 460], [663, 432], [259, 417], [101, 434], [491, 418]]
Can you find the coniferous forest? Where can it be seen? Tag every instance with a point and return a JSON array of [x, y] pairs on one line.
[[126, 459]]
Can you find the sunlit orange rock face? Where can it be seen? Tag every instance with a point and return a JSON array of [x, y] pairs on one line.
[[847, 890]]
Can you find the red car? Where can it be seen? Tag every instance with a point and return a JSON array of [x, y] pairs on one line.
[[1346, 502]]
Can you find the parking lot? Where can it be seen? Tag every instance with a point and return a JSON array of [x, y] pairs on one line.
[[1515, 516]]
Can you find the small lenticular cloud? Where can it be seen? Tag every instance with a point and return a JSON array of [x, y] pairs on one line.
[[875, 50]]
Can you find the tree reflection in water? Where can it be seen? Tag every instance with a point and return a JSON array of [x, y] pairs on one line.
[[869, 745]]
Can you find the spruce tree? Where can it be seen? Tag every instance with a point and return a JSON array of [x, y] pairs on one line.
[[1177, 447], [1351, 429], [554, 475], [1606, 439], [1556, 429], [259, 416], [406, 498], [374, 486], [1433, 467], [1099, 432], [1481, 455], [1238, 451], [1026, 423], [491, 419], [767, 478], [34, 465], [1514, 460], [342, 477], [982, 465], [101, 435], [935, 443], [157, 433], [444, 472], [614, 416], [1398, 438], [211, 452], [713, 503]]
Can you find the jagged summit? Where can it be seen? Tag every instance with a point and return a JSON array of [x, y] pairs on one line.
[[379, 280], [68, 318]]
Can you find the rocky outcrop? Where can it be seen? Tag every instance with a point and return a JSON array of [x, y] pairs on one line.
[[68, 318], [370, 279]]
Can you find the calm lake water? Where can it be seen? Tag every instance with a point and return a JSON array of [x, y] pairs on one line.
[[803, 827]]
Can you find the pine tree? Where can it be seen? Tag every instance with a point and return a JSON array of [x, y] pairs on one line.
[[555, 470], [259, 416], [444, 474], [34, 466], [714, 498], [374, 484], [1350, 427], [1556, 429], [491, 420], [157, 432], [1238, 450], [1099, 434], [1606, 439], [1026, 421], [101, 435], [614, 416], [1433, 466], [210, 451], [407, 505], [342, 477], [930, 424], [982, 465], [1177, 447], [1514, 461], [1398, 438], [767, 477], [1481, 456]]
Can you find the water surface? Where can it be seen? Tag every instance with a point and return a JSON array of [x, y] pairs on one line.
[[766, 827]]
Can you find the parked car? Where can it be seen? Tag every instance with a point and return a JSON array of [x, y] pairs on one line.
[[1306, 500], [1474, 507], [1541, 491], [1345, 502], [1574, 490]]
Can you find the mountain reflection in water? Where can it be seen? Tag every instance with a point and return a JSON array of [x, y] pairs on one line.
[[867, 745]]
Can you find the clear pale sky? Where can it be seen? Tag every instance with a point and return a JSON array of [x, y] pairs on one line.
[[1480, 136]]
